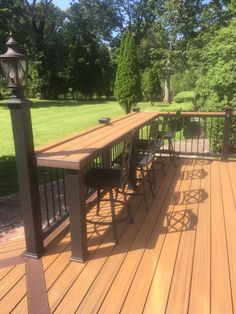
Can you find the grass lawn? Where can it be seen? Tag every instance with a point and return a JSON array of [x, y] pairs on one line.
[[53, 120]]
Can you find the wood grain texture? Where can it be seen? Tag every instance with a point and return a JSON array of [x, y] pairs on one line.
[[75, 152], [199, 301], [180, 257], [221, 301]]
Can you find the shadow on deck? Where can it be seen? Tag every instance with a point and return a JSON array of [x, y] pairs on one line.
[[179, 257]]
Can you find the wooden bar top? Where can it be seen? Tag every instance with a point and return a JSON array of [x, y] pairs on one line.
[[76, 151]]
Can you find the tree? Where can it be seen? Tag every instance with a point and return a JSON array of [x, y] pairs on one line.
[[46, 47], [216, 83], [97, 17], [136, 15], [175, 24], [127, 82], [10, 19], [151, 86], [90, 70], [215, 14]]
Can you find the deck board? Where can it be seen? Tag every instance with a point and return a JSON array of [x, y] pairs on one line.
[[220, 277], [180, 257], [165, 267], [199, 301], [116, 295], [187, 220], [230, 222], [137, 294]]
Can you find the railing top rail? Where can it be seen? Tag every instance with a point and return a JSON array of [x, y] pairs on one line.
[[195, 114]]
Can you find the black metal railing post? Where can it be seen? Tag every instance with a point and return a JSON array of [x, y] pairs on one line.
[[227, 126], [27, 175]]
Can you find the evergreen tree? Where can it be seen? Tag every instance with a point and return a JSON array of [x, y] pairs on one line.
[[127, 83], [151, 86]]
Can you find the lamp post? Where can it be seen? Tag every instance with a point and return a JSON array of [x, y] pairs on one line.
[[14, 69]]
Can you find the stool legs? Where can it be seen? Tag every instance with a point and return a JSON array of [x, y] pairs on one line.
[[98, 201], [113, 216], [173, 155]]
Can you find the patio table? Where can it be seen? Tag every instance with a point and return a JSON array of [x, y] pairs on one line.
[[73, 154]]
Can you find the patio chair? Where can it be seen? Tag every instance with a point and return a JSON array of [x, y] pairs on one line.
[[142, 144], [168, 131], [112, 180], [143, 161]]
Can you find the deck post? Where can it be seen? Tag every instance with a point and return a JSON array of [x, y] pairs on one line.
[[227, 126], [77, 213], [27, 175], [14, 67]]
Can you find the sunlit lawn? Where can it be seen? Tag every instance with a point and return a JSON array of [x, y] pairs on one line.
[[53, 120]]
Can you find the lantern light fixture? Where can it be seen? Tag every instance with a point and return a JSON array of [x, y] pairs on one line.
[[14, 66]]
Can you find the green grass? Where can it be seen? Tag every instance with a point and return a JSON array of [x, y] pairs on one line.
[[53, 120]]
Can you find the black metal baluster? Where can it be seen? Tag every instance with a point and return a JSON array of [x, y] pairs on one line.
[[210, 141], [58, 193], [204, 134], [52, 195], [186, 137], [46, 197], [218, 128], [198, 135], [180, 134], [192, 120], [64, 190]]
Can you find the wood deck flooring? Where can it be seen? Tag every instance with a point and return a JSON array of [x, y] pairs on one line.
[[180, 257]]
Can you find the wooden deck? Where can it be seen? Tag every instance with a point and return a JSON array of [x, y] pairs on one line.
[[180, 257]]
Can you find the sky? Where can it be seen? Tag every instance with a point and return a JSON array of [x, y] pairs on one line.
[[62, 4]]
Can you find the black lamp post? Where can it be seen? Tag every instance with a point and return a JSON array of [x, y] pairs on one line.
[[14, 68]]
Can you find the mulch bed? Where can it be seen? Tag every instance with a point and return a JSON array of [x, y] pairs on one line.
[[11, 222]]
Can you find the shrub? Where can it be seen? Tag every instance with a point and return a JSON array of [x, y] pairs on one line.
[[191, 128], [215, 131], [184, 81], [185, 97], [216, 84]]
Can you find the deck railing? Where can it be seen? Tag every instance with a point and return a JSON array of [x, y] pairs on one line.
[[52, 190], [53, 196], [53, 202], [209, 134]]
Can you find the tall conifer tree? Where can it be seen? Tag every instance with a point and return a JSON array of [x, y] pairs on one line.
[[127, 83]]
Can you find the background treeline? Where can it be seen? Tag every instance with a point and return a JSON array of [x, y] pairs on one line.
[[181, 46]]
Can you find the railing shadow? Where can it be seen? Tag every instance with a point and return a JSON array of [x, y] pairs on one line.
[[183, 220], [189, 197], [168, 222], [196, 174]]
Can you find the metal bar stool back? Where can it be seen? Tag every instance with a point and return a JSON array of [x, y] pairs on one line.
[[111, 180]]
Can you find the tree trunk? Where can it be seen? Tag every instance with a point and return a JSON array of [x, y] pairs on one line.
[[167, 97]]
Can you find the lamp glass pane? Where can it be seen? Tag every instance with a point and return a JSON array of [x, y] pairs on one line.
[[13, 81], [7, 72], [22, 72]]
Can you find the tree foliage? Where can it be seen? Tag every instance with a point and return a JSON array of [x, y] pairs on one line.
[[216, 83], [151, 85], [75, 52], [127, 83]]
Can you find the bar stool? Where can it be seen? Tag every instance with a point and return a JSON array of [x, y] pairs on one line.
[[142, 144], [169, 128], [112, 180], [144, 162]]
